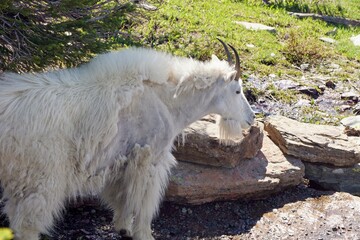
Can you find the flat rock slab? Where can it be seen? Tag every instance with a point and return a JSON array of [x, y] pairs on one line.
[[256, 26], [268, 172], [333, 216], [314, 143], [334, 178], [202, 145]]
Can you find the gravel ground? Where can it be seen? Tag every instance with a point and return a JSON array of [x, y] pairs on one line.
[[228, 220], [219, 220]]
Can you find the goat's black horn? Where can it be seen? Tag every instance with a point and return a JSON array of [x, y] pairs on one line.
[[229, 58], [237, 63]]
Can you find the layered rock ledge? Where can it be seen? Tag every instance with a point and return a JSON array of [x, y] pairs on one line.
[[208, 171], [314, 143]]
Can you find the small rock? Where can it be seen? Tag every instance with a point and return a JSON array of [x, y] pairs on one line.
[[356, 109], [356, 40], [310, 91], [350, 96], [272, 75], [328, 40], [344, 108], [85, 232], [302, 102], [286, 84], [332, 32], [334, 66], [304, 66], [352, 125], [330, 84], [256, 26], [250, 45], [352, 121]]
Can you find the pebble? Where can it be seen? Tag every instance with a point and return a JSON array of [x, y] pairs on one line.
[[304, 66], [330, 84], [183, 210]]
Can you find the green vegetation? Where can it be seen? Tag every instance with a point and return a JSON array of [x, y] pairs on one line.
[[36, 35], [39, 34], [189, 28], [6, 234]]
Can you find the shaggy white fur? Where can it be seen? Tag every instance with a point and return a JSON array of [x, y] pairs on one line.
[[105, 128]]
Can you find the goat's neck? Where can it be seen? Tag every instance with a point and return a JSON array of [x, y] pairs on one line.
[[189, 107]]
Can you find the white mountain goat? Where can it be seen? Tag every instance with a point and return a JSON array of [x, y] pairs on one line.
[[107, 128]]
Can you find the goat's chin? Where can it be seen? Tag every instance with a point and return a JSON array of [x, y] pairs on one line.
[[229, 129]]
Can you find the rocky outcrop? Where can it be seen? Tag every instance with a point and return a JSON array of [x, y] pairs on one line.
[[202, 145], [328, 217], [331, 157], [314, 143], [268, 172]]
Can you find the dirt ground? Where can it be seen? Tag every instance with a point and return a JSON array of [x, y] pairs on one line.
[[219, 220]]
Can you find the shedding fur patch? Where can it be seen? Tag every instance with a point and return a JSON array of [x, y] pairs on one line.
[[228, 130]]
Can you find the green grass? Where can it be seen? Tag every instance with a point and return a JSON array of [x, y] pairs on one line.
[[190, 28]]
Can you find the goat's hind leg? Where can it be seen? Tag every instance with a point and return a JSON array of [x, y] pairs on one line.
[[33, 213]]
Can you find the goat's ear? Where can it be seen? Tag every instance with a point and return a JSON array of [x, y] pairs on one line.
[[215, 58], [231, 76]]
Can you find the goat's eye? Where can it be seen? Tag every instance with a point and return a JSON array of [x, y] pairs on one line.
[[237, 92]]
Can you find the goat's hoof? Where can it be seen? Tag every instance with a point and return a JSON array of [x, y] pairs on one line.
[[126, 238], [124, 235]]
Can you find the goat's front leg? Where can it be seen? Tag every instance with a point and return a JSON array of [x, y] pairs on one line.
[[136, 194], [155, 181]]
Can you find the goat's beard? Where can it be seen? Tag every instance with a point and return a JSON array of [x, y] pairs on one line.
[[229, 129]]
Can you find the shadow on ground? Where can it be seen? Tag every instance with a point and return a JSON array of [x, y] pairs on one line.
[[89, 220]]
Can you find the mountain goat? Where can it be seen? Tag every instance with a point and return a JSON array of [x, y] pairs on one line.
[[107, 128]]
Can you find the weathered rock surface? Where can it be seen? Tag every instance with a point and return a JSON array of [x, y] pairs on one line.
[[268, 172], [356, 40], [334, 178], [256, 26], [352, 125], [202, 145], [334, 216], [314, 143], [328, 40]]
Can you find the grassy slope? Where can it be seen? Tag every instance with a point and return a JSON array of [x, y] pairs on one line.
[[189, 28]]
